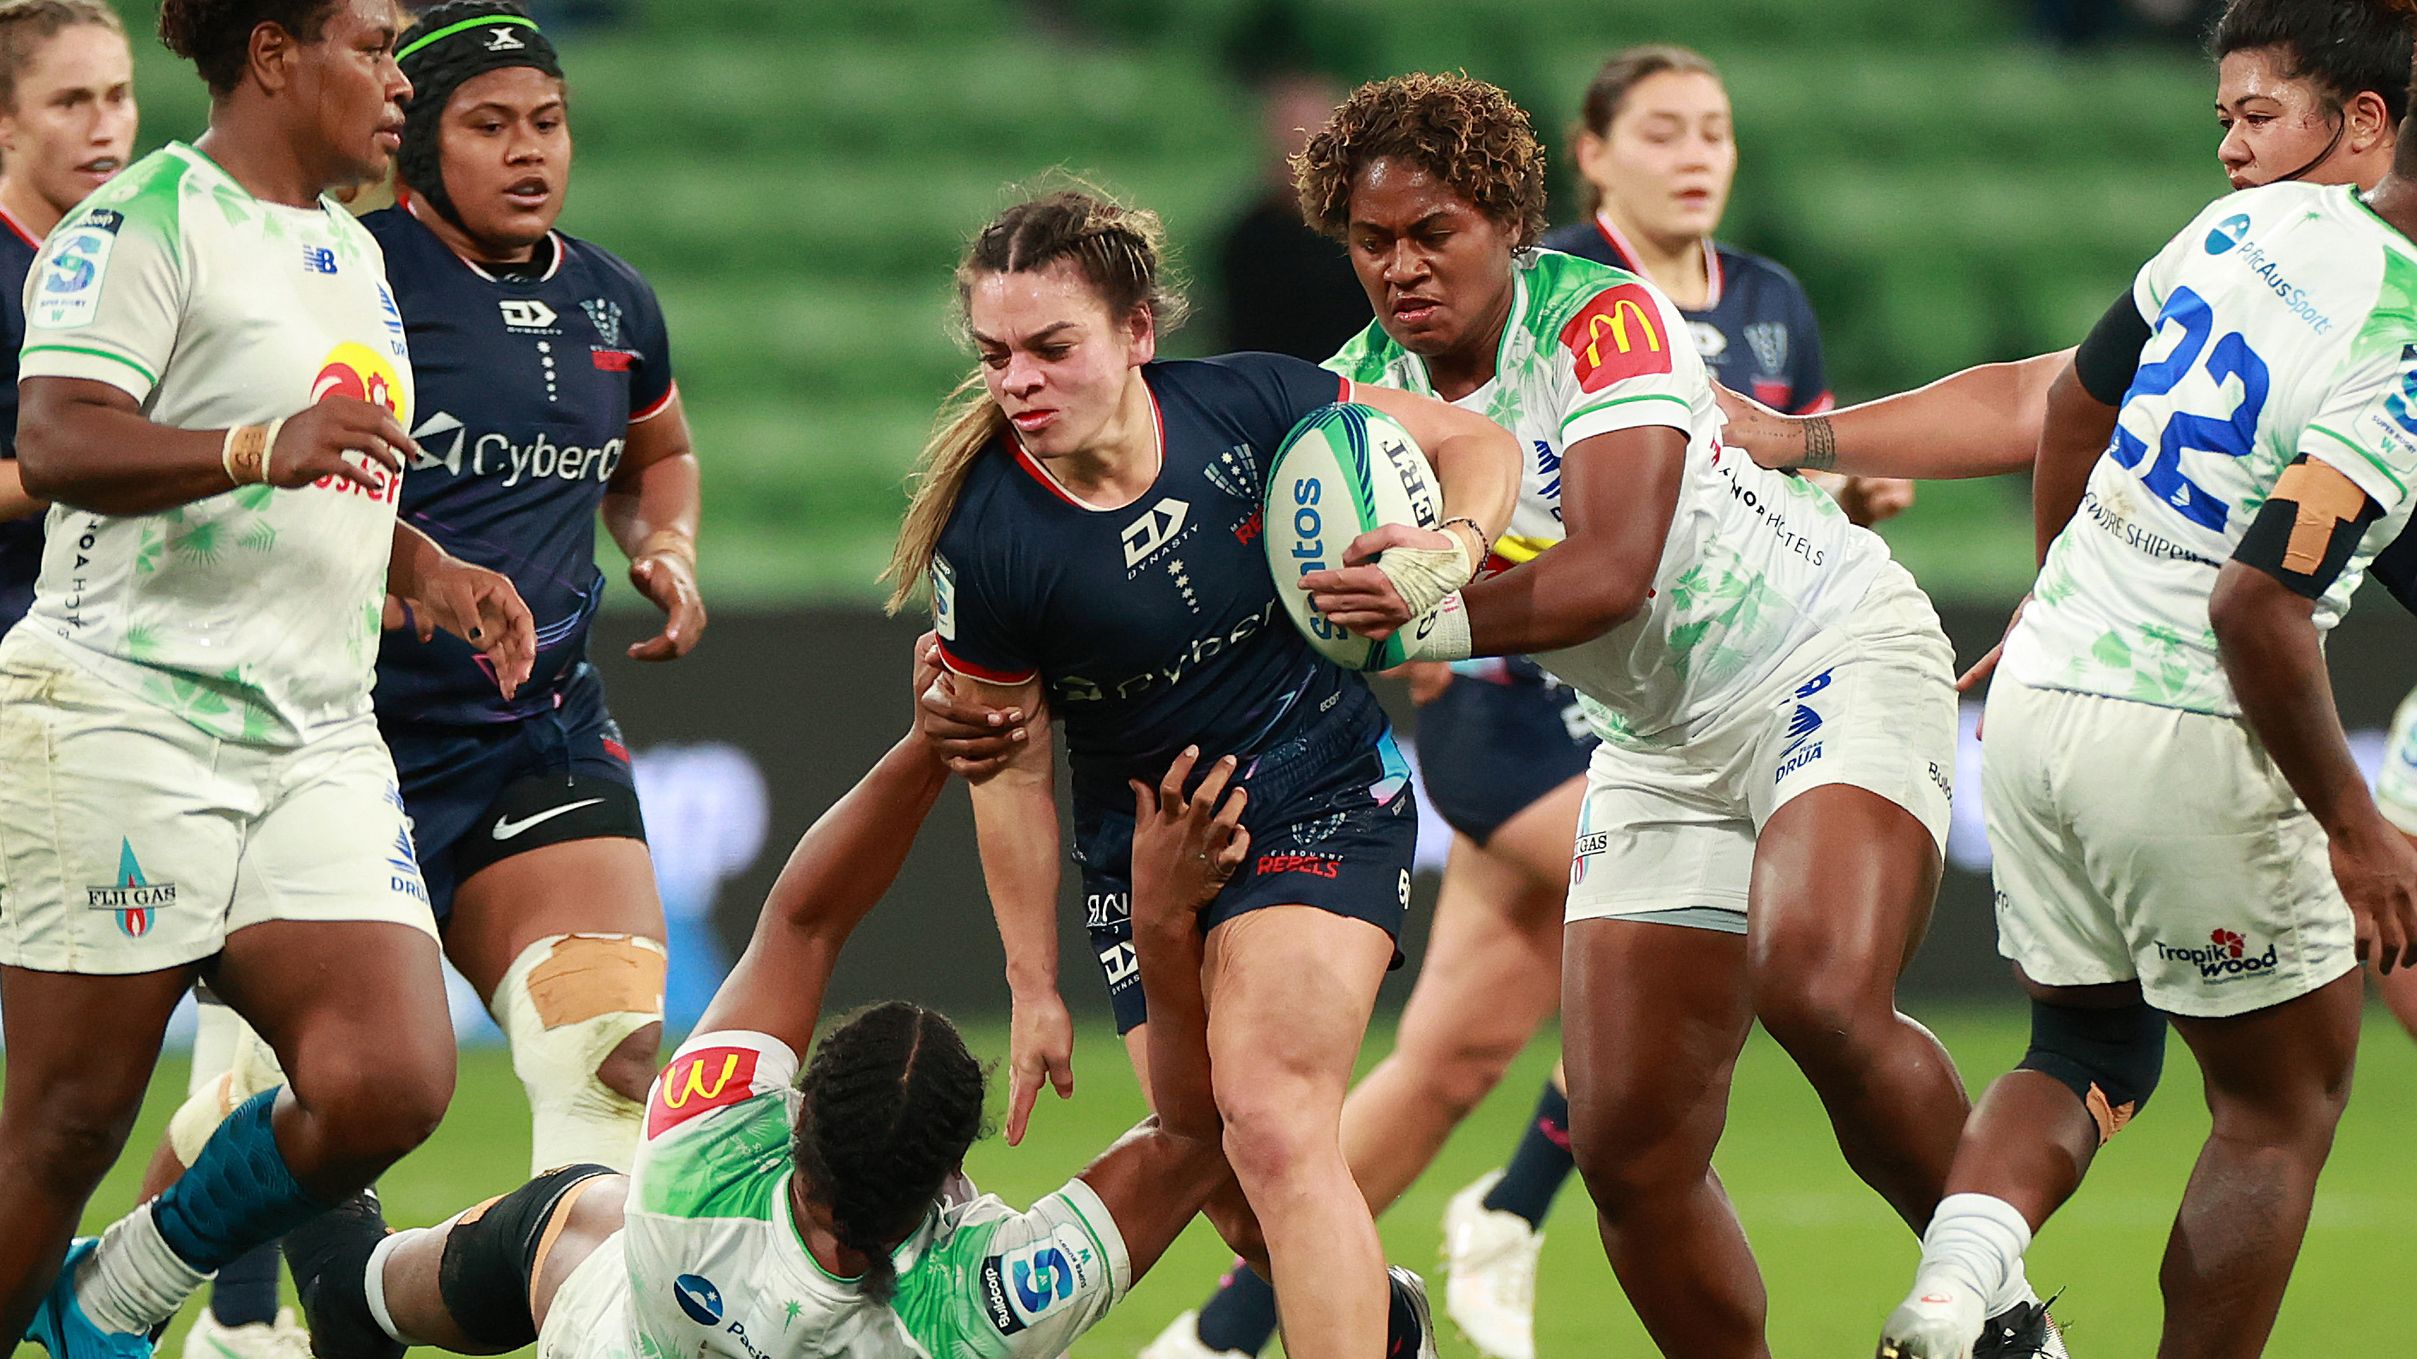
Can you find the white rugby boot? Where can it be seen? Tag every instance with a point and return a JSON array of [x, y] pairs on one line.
[[1181, 1340], [1937, 1321], [1490, 1259], [282, 1338]]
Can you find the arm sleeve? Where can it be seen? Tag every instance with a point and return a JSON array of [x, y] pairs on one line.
[[977, 637], [1018, 1285], [650, 384], [104, 298], [2308, 530], [2111, 355], [1808, 380], [1625, 361]]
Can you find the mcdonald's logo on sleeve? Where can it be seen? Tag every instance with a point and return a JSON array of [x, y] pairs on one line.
[[1620, 334], [698, 1082]]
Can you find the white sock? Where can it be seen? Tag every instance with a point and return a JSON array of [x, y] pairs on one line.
[[373, 1285], [1975, 1244], [133, 1281]]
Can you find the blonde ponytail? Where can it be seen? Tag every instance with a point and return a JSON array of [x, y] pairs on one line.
[[966, 426]]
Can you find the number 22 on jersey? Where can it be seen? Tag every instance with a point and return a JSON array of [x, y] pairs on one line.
[[2229, 435]]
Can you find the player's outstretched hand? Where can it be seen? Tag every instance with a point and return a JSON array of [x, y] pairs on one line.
[[1874, 500], [668, 577], [2377, 870], [973, 740], [480, 607], [1389, 576], [341, 437], [1986, 666], [1040, 1051], [1185, 848], [1768, 437]]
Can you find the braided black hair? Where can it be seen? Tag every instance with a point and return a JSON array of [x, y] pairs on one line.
[[443, 50], [216, 35], [892, 1100]]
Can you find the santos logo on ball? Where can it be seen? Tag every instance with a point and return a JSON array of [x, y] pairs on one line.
[[2224, 957]]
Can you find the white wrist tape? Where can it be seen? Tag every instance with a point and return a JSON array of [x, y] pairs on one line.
[[1440, 635], [1424, 575], [247, 450]]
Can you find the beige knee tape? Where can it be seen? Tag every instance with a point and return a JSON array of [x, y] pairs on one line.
[[230, 1065], [565, 1003]]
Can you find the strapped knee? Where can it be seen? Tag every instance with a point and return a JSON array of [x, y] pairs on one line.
[[2110, 1058], [565, 1004], [494, 1251]]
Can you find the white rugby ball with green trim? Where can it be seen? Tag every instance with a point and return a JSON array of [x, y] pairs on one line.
[[1343, 471]]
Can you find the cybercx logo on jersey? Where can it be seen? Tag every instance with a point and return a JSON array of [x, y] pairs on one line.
[[1021, 1286], [444, 442]]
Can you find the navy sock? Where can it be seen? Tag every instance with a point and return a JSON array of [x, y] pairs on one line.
[[238, 1194], [245, 1292], [1540, 1165], [1242, 1314]]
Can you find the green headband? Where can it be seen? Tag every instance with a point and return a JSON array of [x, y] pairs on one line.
[[484, 21]]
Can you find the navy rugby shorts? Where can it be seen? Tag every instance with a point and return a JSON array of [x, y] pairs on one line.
[[1495, 742]]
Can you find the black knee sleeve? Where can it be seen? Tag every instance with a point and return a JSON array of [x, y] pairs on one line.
[[490, 1258], [2109, 1058]]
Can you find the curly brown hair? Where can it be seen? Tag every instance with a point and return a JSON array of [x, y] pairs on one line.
[[1470, 135]]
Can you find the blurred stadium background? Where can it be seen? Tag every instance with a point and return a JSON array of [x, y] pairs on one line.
[[1955, 181]]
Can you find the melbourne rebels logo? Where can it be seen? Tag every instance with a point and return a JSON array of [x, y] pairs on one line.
[[605, 316]]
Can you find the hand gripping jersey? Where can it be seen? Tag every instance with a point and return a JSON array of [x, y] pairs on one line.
[[528, 387], [1756, 331], [1758, 563], [2285, 323], [252, 614], [710, 1261], [1154, 625], [20, 539]]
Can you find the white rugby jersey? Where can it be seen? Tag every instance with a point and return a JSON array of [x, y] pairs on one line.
[[2285, 323], [253, 614], [1758, 564]]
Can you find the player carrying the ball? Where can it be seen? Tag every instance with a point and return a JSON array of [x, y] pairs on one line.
[[1089, 521], [1762, 831]]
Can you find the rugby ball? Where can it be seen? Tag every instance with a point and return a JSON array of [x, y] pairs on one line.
[[1343, 471]]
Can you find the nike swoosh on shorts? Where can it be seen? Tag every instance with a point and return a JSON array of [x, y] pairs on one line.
[[506, 827]]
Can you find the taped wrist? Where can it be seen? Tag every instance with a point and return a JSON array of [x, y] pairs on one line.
[[1441, 634], [1424, 575], [246, 452], [2308, 529]]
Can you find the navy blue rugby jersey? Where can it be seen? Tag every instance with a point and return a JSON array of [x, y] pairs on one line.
[[527, 384], [20, 539], [1757, 334], [1154, 625]]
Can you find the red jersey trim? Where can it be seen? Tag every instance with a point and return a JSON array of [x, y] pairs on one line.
[[1714, 281], [1034, 468], [659, 407], [967, 668], [18, 227]]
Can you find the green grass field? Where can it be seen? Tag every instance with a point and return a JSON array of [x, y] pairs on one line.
[[1834, 1258]]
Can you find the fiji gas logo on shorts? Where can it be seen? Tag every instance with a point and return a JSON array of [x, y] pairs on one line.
[[2224, 957], [134, 899]]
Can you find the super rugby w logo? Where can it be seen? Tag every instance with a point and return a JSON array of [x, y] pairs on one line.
[[1160, 525]]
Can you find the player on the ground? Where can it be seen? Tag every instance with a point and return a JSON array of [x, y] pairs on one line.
[[2176, 824], [215, 393], [1089, 522], [1502, 749], [67, 121], [2309, 92], [770, 1216], [1762, 826]]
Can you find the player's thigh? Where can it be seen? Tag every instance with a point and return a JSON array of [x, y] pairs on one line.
[[596, 886], [1491, 972], [2282, 1073], [80, 1053], [1843, 884], [1290, 989], [1539, 838], [593, 1216], [1653, 1017]]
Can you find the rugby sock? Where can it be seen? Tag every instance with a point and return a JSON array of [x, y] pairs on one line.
[[1541, 1164], [373, 1284], [237, 1194], [245, 1292], [1241, 1316], [1975, 1245], [133, 1282]]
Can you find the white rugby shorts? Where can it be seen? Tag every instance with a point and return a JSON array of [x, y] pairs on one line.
[[2136, 841], [1667, 833], [132, 841]]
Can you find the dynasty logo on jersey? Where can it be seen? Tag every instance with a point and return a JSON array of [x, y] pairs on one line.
[[1617, 336]]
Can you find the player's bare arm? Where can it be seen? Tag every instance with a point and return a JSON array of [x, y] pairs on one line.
[[651, 508], [440, 590], [2262, 611], [1982, 422], [973, 740], [14, 502], [1619, 495], [2075, 433], [86, 444], [1187, 843], [1015, 827]]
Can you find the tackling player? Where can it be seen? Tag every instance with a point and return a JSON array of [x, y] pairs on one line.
[[1089, 523], [774, 1217], [1763, 820], [215, 390], [67, 121], [2176, 824]]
